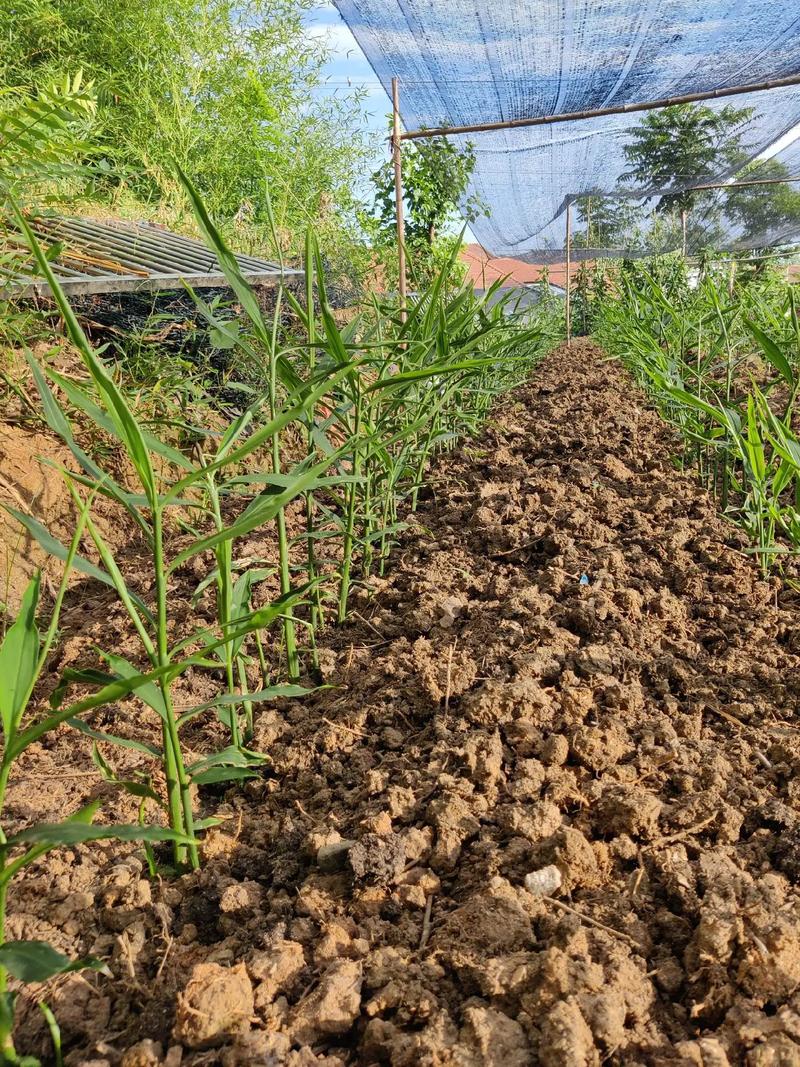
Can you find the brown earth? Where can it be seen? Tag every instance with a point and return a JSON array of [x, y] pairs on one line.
[[574, 672]]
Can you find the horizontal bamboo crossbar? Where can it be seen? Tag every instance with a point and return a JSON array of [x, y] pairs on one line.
[[636, 194], [620, 109]]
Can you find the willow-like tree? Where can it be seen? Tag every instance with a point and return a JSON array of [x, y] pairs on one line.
[[224, 88]]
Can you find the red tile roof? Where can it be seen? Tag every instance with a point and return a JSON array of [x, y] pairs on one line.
[[483, 270]]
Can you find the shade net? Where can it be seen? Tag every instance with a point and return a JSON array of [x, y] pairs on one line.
[[461, 63]]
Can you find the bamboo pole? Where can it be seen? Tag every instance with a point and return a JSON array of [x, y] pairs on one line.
[[683, 231], [568, 301], [397, 159], [744, 184], [620, 109]]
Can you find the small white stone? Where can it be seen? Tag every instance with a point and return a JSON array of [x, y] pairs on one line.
[[544, 882]]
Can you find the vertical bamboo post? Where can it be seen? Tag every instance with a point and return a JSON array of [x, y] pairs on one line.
[[568, 301], [683, 229], [398, 196]]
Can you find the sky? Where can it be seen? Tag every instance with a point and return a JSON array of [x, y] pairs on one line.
[[348, 69]]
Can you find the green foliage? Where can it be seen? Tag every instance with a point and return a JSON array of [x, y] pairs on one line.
[[686, 145], [694, 350], [224, 89], [43, 148], [43, 137], [681, 145], [590, 290], [374, 401], [150, 509], [23, 655], [436, 176], [608, 222], [763, 209], [36, 961]]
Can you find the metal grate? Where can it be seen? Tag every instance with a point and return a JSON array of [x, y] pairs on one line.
[[114, 255]]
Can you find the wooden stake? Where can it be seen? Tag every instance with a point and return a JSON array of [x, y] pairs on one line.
[[568, 301], [398, 196], [683, 230]]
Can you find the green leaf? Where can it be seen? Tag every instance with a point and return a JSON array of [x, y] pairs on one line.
[[36, 961], [252, 698], [19, 655], [263, 435], [82, 401], [228, 757], [149, 692], [243, 291], [55, 548], [68, 833], [108, 774], [7, 1015], [125, 423], [208, 823], [772, 353], [113, 739], [86, 675], [224, 774]]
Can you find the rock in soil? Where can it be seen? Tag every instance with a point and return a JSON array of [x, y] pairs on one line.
[[216, 1004]]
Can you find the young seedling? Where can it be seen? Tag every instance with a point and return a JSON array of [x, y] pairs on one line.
[[149, 508], [23, 656]]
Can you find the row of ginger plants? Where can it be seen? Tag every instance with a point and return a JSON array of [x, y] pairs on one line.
[[372, 401], [718, 352]]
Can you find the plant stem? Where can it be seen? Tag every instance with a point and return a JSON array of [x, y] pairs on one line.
[[350, 521], [290, 637], [179, 799]]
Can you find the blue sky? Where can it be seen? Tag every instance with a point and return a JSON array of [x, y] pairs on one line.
[[348, 69]]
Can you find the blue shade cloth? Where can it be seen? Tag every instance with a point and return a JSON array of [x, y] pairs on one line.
[[462, 62]]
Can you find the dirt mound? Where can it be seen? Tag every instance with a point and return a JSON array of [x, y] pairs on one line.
[[575, 672], [30, 482]]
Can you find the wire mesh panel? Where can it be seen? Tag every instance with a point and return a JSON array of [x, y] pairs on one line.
[[114, 255], [463, 63]]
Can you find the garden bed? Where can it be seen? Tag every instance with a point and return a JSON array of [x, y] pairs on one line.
[[571, 664]]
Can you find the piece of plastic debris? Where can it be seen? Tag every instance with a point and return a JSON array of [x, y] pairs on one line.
[[584, 579], [544, 882]]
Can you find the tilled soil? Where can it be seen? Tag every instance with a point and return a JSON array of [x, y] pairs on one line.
[[574, 671]]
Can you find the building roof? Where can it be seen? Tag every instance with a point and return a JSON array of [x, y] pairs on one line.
[[113, 255], [483, 270]]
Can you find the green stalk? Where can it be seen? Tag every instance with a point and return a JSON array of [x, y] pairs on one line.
[[179, 799], [289, 634], [366, 562], [317, 615], [262, 660], [350, 522], [388, 506], [224, 553], [6, 1042], [7, 1049], [290, 638]]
